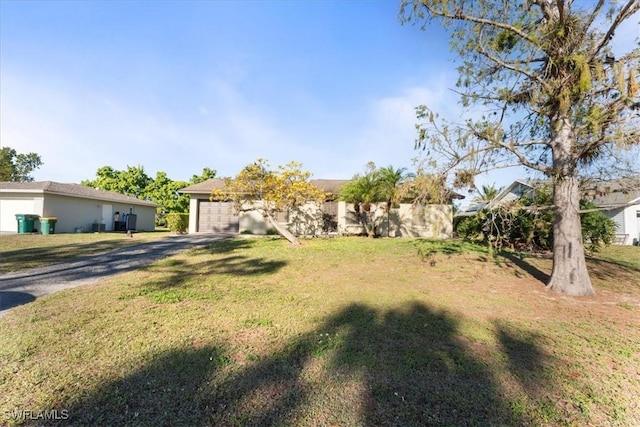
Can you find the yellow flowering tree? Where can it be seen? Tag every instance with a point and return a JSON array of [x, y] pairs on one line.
[[259, 188]]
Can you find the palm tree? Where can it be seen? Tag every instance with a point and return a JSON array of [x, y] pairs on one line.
[[486, 194], [389, 182]]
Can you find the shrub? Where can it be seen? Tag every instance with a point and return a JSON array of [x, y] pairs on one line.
[[177, 222], [524, 227], [597, 229]]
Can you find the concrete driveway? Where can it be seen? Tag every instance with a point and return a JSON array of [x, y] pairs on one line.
[[25, 286]]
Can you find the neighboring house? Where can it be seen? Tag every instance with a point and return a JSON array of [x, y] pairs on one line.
[[332, 216], [76, 207], [513, 192], [618, 200]]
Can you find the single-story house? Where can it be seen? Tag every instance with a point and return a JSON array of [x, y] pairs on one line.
[[618, 200], [332, 216], [76, 208], [511, 193]]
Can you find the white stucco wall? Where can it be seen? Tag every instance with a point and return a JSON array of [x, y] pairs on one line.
[[74, 213], [12, 204], [71, 212], [437, 223]]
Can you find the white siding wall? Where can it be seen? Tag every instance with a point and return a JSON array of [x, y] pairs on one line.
[[618, 217], [632, 223]]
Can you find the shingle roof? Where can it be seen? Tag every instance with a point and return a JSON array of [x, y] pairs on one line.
[[73, 190], [332, 186], [614, 193], [204, 187]]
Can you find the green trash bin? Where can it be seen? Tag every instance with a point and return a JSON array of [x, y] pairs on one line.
[[26, 223], [48, 225]]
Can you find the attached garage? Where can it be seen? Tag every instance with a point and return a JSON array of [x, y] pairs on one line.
[[217, 217]]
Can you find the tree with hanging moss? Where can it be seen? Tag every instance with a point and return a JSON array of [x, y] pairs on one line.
[[543, 90]]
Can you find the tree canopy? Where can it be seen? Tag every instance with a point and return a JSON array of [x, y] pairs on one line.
[[541, 88], [17, 167], [135, 182]]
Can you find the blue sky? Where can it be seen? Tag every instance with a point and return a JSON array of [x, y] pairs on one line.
[[177, 86]]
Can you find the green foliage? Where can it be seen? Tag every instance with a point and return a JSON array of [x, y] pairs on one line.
[[597, 229], [17, 167], [375, 185], [162, 190], [207, 173], [486, 193], [177, 222], [544, 91], [131, 182], [528, 225]]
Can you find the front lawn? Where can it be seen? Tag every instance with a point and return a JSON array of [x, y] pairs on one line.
[[343, 331]]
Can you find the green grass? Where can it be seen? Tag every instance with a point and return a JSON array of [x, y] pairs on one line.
[[19, 251], [341, 331]]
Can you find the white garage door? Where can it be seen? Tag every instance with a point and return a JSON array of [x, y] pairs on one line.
[[217, 217], [9, 209]]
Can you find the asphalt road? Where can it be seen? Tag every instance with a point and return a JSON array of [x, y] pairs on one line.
[[25, 286]]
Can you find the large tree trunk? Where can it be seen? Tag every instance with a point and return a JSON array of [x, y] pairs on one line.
[[282, 230], [569, 275]]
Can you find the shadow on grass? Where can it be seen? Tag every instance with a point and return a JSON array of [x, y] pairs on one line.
[[521, 263], [529, 364], [178, 272], [610, 270], [407, 367], [170, 390]]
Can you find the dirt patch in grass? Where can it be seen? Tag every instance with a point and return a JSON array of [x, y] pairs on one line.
[[336, 332]]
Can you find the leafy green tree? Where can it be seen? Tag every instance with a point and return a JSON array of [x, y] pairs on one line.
[[17, 167], [136, 183], [548, 94], [207, 173], [259, 188], [131, 182], [164, 192]]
